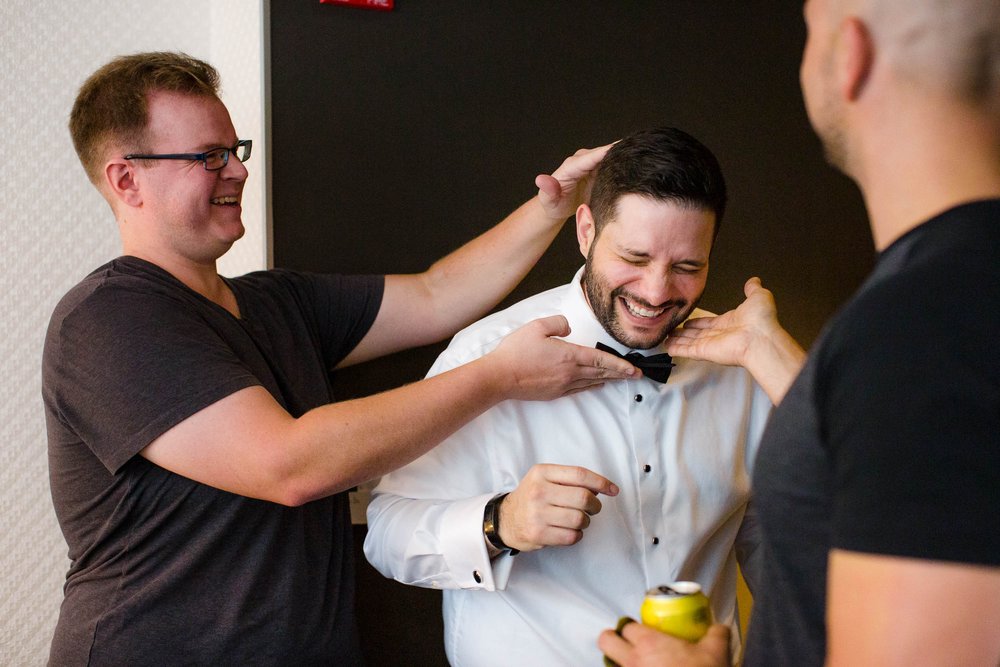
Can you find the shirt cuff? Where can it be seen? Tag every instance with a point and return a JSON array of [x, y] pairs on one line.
[[464, 547]]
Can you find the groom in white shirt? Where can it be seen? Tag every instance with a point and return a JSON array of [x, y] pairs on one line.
[[546, 521]]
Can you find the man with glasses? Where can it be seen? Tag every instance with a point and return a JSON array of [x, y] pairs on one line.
[[198, 465]]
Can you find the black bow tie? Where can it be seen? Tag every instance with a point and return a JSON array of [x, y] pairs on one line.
[[655, 366]]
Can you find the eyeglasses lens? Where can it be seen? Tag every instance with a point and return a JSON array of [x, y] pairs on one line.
[[217, 159]]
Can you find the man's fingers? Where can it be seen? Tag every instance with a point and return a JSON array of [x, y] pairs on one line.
[[694, 324], [569, 184], [716, 644], [606, 365], [752, 285], [568, 520], [616, 649], [649, 646], [579, 478], [552, 525], [553, 325], [593, 363], [548, 186], [552, 506], [535, 364], [713, 648], [582, 162]]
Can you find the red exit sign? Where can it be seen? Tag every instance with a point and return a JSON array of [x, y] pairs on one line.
[[383, 5]]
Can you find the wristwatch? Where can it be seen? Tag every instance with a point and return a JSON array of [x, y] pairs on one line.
[[491, 524]]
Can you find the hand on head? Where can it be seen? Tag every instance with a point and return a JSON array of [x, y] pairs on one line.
[[569, 185], [552, 506]]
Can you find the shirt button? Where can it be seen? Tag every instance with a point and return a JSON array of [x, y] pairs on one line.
[[478, 577], [656, 541], [637, 398], [647, 468]]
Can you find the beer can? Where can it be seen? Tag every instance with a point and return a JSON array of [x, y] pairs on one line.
[[679, 609]]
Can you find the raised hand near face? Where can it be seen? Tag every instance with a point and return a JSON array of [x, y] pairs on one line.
[[569, 186], [749, 336]]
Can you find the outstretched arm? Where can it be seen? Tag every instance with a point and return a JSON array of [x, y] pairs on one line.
[[749, 336], [422, 308], [887, 610], [248, 444]]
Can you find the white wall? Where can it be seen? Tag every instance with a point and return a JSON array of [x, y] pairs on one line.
[[56, 228]]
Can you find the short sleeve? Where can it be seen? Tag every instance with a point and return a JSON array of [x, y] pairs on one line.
[[912, 421], [121, 347]]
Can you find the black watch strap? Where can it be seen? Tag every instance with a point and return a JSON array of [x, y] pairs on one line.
[[491, 524]]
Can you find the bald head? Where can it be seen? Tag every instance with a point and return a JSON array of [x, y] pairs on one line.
[[950, 47], [905, 95]]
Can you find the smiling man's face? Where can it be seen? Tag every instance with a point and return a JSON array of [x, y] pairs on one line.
[[189, 212], [647, 268]]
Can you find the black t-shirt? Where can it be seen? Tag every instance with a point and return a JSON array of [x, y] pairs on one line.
[[888, 442], [165, 570]]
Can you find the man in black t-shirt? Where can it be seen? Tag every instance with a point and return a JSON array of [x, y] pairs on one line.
[[198, 463], [876, 480]]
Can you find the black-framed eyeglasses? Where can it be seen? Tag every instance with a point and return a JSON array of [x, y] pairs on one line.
[[213, 160]]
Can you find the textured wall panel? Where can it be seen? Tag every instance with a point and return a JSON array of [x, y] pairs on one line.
[[56, 228], [238, 53]]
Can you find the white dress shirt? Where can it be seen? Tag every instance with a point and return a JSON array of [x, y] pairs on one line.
[[680, 452]]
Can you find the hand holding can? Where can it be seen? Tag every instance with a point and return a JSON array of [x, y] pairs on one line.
[[679, 609]]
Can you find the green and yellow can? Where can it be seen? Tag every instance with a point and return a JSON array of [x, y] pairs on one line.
[[679, 609]]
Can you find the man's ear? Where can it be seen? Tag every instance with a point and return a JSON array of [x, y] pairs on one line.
[[119, 176], [585, 230], [856, 58]]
